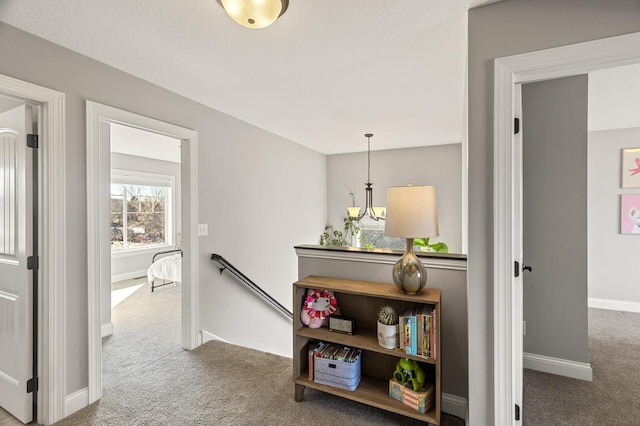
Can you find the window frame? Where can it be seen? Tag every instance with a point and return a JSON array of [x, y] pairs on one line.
[[135, 177]]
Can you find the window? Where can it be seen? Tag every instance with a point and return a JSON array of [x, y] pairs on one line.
[[371, 235], [141, 210]]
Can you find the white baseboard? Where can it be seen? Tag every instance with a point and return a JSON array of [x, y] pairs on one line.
[[128, 276], [614, 305], [205, 337], [454, 405], [106, 329], [76, 401], [560, 367]]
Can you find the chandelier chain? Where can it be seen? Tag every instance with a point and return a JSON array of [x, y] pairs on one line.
[[368, 159]]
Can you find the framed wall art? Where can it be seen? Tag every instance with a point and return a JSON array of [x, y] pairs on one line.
[[631, 168], [630, 214]]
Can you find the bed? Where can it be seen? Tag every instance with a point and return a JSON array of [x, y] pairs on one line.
[[167, 267]]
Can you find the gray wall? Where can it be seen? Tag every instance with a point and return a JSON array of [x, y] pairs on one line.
[[255, 190], [554, 153], [439, 165], [502, 29], [454, 303], [613, 258]]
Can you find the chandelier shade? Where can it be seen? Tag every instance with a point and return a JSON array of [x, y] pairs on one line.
[[254, 14]]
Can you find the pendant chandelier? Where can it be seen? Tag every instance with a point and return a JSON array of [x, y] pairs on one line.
[[254, 14], [375, 213]]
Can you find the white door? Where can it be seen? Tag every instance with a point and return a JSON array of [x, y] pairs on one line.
[[15, 280]]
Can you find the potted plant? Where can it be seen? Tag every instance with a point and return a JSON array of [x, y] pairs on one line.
[[388, 328], [425, 245]]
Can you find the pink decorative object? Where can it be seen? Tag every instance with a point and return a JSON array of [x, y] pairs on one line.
[[318, 306]]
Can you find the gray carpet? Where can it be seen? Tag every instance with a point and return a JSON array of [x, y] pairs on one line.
[[149, 380], [614, 395]]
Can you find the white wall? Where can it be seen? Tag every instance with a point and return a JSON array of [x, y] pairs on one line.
[[440, 166], [613, 258], [614, 98], [123, 265]]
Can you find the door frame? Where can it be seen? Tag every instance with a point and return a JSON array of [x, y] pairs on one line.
[[509, 71], [52, 242], [98, 172]]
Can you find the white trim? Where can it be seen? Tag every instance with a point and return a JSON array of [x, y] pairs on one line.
[[535, 66], [454, 405], [51, 324], [207, 337], [190, 243], [106, 330], [129, 275], [390, 258], [614, 305], [98, 171], [558, 366], [76, 401]]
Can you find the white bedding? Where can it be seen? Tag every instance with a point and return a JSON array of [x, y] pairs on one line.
[[166, 268]]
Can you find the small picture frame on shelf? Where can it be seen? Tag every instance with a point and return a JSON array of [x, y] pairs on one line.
[[340, 324]]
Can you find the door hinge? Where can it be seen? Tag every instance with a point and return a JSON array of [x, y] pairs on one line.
[[32, 141], [517, 412], [32, 385], [516, 270], [516, 126], [32, 262]]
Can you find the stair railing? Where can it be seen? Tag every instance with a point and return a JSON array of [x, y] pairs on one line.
[[253, 286]]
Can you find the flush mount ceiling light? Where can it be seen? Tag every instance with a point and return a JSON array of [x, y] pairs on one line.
[[254, 14]]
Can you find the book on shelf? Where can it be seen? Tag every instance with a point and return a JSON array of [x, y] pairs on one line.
[[410, 331], [401, 332], [418, 332], [333, 352]]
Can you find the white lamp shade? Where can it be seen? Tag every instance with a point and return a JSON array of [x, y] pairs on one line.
[[254, 13], [411, 212], [353, 211]]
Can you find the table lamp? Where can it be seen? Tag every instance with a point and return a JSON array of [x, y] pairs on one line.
[[411, 213]]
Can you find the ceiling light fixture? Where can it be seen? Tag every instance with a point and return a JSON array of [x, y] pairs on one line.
[[375, 213], [254, 14]]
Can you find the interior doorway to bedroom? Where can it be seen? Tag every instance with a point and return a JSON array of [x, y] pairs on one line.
[[145, 226], [100, 120]]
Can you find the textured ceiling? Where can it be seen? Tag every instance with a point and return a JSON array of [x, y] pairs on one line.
[[324, 74]]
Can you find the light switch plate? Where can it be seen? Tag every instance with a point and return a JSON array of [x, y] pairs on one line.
[[203, 229]]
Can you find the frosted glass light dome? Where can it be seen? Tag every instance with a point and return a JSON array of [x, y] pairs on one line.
[[254, 14]]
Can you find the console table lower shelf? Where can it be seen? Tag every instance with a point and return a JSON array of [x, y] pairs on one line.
[[370, 391]]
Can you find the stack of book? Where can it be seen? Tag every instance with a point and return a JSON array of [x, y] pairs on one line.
[[418, 331], [420, 400], [336, 352]]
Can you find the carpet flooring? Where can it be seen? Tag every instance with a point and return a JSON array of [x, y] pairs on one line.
[[149, 380], [613, 398]]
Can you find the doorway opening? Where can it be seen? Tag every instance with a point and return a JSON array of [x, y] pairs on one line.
[[145, 216], [536, 66], [100, 120]]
